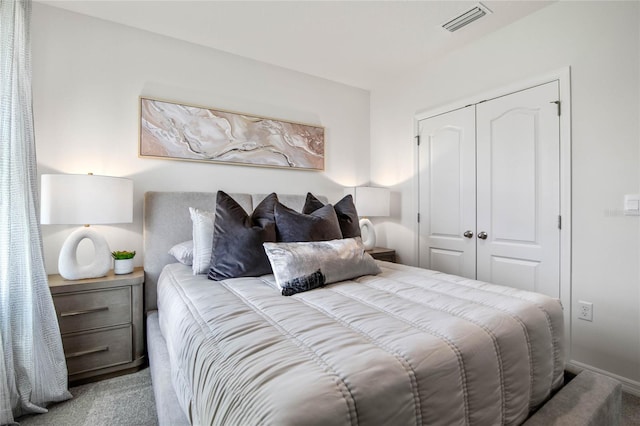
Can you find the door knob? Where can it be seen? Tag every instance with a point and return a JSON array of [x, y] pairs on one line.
[[468, 234], [482, 235]]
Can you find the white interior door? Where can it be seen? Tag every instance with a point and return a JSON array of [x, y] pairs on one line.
[[447, 175], [518, 190]]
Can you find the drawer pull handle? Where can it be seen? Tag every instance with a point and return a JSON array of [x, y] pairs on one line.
[[87, 352], [87, 311]]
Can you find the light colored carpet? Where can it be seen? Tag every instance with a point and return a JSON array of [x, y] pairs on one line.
[[128, 400], [125, 400], [630, 410]]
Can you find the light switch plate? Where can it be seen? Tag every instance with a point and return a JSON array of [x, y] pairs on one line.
[[632, 205]]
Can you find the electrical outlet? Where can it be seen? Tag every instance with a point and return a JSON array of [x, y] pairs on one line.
[[585, 310]]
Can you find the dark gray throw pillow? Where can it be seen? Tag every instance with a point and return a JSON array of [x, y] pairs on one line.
[[238, 237], [345, 210], [321, 225]]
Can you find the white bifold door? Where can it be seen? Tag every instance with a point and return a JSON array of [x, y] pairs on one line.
[[489, 182]]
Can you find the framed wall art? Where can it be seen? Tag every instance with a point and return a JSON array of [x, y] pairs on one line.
[[184, 132]]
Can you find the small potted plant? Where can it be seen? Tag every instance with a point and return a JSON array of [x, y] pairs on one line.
[[123, 262]]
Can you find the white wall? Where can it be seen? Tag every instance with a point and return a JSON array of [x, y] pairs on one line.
[[89, 73], [601, 43]]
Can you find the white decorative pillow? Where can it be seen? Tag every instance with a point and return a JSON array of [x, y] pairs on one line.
[[337, 260], [183, 252], [202, 239]]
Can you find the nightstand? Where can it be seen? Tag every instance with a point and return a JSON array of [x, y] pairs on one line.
[[101, 324], [381, 253]]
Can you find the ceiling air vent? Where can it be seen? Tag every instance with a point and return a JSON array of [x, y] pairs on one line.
[[467, 17]]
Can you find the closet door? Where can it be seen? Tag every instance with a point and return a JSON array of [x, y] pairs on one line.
[[518, 190], [447, 201]]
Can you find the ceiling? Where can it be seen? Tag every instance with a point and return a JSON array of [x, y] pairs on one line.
[[353, 42]]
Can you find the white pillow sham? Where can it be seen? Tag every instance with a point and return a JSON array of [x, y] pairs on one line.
[[337, 260], [202, 239], [183, 252]]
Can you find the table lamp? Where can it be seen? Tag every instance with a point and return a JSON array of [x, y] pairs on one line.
[[370, 201], [85, 200]]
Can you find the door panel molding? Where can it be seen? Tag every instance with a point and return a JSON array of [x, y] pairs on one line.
[[447, 261], [446, 146], [505, 178], [507, 267]]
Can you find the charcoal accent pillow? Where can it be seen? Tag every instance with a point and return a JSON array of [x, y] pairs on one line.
[[345, 210], [305, 283], [321, 225], [183, 252], [338, 260], [238, 238]]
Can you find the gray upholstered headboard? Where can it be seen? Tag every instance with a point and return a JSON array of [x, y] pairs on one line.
[[167, 222]]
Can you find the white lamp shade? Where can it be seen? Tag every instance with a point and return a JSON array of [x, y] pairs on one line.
[[370, 201], [85, 200]]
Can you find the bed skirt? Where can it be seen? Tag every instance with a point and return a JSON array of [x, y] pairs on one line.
[[167, 406]]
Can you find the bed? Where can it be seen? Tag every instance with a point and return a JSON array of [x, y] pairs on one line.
[[402, 346]]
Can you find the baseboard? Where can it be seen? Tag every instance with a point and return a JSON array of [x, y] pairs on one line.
[[629, 386]]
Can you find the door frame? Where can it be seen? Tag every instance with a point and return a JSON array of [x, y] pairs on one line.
[[563, 77]]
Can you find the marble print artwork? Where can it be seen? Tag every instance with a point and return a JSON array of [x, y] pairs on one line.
[[171, 130]]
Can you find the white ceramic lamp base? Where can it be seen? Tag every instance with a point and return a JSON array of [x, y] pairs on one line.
[[68, 265], [368, 234]]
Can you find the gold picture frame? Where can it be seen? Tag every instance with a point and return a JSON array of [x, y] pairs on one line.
[[176, 131]]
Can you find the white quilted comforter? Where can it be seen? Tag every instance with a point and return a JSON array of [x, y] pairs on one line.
[[408, 346]]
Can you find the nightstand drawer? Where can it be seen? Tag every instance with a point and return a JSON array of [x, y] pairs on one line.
[[93, 309], [92, 350]]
